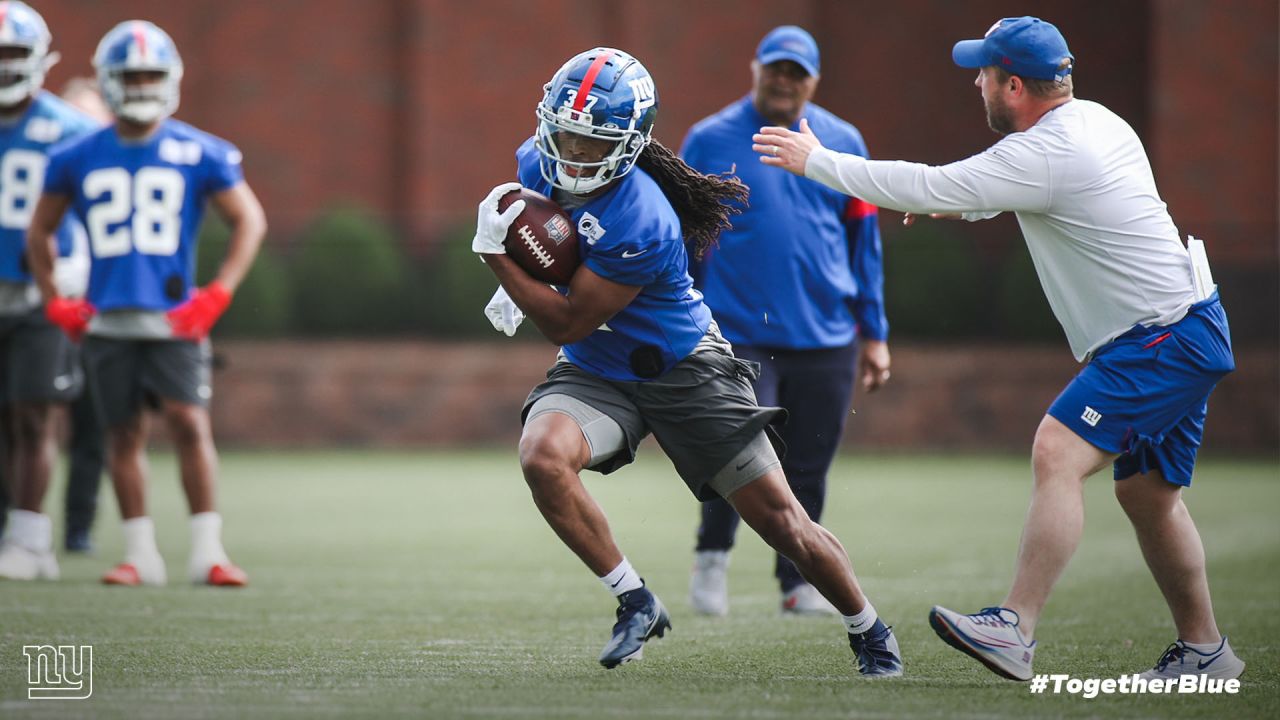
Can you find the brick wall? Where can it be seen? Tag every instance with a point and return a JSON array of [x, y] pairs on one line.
[[1213, 87], [413, 107]]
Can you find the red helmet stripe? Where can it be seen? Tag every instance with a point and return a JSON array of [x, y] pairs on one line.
[[140, 37], [589, 81], [4, 12]]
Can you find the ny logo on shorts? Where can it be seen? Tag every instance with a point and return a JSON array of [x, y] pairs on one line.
[[1091, 416]]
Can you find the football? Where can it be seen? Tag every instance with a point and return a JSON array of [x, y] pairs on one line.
[[541, 239]]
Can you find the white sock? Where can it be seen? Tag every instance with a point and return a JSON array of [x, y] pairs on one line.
[[30, 530], [862, 622], [139, 540], [206, 539], [622, 579], [1206, 648]]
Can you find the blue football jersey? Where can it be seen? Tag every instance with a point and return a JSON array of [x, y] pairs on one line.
[[24, 151], [630, 235], [141, 204], [802, 266]]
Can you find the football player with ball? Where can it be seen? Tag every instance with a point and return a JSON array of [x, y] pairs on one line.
[[640, 351]]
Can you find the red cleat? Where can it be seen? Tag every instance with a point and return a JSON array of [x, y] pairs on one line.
[[227, 576], [122, 574]]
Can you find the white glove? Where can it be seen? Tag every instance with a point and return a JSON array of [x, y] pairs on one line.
[[503, 313], [491, 227]]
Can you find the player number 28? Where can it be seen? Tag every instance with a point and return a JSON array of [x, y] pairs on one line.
[[153, 197]]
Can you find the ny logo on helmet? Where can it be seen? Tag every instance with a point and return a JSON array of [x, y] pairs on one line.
[[644, 92]]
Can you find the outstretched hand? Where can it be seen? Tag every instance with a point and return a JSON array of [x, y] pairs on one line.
[[784, 148]]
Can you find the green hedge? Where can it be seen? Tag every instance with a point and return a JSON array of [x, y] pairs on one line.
[[455, 288], [349, 275], [263, 306], [941, 283]]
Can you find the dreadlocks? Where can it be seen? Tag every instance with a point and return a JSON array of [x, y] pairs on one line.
[[701, 201]]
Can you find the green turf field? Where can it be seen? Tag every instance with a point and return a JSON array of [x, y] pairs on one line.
[[426, 585]]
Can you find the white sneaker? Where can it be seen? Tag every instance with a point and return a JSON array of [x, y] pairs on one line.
[[1180, 659], [709, 585], [20, 563], [804, 599], [989, 637]]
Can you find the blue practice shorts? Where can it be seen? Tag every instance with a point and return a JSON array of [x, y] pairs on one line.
[[1144, 395]]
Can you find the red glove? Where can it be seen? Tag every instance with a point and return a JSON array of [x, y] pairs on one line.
[[72, 315], [194, 318]]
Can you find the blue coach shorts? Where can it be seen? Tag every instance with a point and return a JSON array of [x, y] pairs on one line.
[[1144, 395]]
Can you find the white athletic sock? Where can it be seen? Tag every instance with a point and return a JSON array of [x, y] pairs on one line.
[[1206, 648], [206, 539], [139, 540], [622, 579], [862, 622], [30, 530]]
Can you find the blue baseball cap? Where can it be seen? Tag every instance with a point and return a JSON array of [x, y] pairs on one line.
[[1023, 46], [789, 42]]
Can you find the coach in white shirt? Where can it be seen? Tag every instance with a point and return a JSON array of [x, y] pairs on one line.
[[1155, 341]]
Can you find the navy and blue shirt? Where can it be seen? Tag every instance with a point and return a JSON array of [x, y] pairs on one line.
[[802, 266], [630, 234], [141, 203], [24, 150]]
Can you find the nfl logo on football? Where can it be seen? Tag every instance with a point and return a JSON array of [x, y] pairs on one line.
[[558, 229]]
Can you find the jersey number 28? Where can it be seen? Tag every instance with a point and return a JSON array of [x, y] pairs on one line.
[[153, 197]]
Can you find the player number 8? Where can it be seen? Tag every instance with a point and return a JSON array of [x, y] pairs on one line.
[[21, 174], [153, 197]]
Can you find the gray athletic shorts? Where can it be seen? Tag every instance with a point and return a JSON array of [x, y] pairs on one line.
[[703, 413], [124, 374], [38, 363]]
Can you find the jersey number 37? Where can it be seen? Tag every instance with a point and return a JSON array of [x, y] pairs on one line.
[[149, 200]]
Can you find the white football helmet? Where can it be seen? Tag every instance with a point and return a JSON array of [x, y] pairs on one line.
[[603, 94], [137, 46], [21, 77]]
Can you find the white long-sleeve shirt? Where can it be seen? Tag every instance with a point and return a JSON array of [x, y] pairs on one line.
[[1107, 253]]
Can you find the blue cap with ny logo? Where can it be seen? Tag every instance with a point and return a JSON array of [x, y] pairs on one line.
[[1024, 46], [789, 42]]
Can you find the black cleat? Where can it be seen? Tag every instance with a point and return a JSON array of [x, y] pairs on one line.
[[877, 651], [640, 617]]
